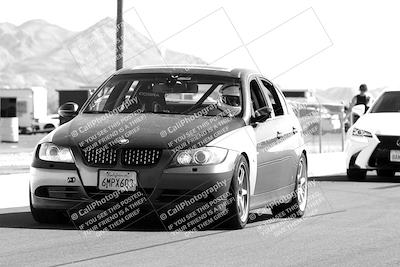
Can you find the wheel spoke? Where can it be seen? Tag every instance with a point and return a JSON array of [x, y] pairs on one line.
[[302, 185], [244, 192], [300, 171], [240, 204], [241, 176], [299, 190], [300, 194]]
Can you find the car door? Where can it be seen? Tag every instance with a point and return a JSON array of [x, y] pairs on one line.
[[269, 163], [287, 131]]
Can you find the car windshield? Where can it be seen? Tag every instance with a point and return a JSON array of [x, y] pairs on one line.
[[388, 102], [171, 94]]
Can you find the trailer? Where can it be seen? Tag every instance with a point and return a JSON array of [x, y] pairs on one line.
[[31, 106]]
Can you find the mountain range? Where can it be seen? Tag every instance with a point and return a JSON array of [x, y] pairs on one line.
[[38, 53], [342, 95]]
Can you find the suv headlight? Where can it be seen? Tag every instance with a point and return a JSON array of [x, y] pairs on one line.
[[359, 132], [52, 152], [199, 156]]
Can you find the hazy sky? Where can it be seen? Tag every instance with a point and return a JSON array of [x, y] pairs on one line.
[[303, 44]]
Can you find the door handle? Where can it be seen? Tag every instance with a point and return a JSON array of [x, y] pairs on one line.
[[279, 135]]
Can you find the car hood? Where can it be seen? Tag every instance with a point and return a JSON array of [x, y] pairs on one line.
[[380, 123], [166, 131]]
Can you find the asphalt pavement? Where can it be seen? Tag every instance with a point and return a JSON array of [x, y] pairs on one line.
[[347, 224]]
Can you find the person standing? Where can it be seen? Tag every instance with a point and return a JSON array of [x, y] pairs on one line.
[[361, 99]]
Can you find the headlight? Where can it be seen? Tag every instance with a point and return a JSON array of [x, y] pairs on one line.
[[52, 152], [200, 156], [359, 132]]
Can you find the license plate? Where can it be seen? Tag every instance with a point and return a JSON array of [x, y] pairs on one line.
[[117, 180], [395, 155]]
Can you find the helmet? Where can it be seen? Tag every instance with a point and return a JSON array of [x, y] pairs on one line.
[[229, 99]]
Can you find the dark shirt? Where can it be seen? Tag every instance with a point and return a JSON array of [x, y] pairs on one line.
[[362, 100]]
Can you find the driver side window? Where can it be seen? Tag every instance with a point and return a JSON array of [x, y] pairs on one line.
[[257, 97], [273, 97]]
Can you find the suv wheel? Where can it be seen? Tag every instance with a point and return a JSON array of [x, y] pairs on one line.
[[356, 174]]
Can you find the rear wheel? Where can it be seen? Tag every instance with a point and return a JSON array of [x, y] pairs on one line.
[[296, 207], [386, 173], [240, 190], [356, 174]]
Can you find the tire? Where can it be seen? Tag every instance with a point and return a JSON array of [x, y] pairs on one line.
[[47, 215], [386, 173], [238, 210], [297, 204], [356, 174]]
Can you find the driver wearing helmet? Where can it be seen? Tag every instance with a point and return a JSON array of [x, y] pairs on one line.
[[229, 100]]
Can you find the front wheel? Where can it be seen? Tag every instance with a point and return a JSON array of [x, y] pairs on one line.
[[297, 204], [240, 194]]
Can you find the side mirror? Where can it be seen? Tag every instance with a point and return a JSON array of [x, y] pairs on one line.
[[261, 115], [359, 110], [68, 110]]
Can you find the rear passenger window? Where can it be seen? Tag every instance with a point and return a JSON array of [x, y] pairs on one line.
[[273, 96]]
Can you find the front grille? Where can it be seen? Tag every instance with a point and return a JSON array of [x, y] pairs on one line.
[[100, 156], [388, 142], [128, 156], [140, 156], [381, 155]]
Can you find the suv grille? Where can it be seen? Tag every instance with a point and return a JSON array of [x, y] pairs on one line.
[[381, 155], [388, 142], [128, 156]]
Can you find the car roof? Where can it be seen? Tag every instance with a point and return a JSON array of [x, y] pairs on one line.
[[394, 89], [192, 69]]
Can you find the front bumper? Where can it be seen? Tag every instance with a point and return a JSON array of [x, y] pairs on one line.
[[67, 189], [371, 153]]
